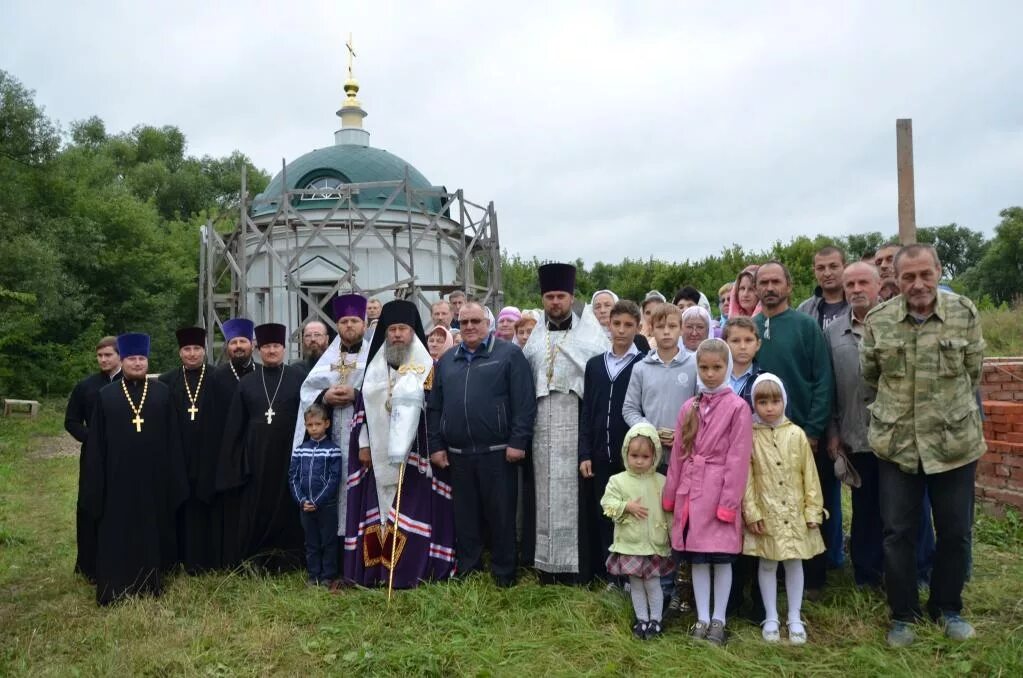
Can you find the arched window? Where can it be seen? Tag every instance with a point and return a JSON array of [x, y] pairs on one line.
[[326, 188]]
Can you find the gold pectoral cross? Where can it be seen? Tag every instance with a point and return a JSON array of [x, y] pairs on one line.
[[270, 415], [138, 421], [343, 368], [193, 410]]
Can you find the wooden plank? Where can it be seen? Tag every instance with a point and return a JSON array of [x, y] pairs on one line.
[[904, 167]]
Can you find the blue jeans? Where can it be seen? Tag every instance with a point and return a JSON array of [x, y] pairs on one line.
[[321, 548]]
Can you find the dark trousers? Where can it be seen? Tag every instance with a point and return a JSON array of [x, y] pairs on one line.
[[902, 496], [815, 570], [866, 539], [321, 551], [484, 489]]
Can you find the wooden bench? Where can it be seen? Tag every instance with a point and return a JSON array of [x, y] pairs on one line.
[[29, 407]]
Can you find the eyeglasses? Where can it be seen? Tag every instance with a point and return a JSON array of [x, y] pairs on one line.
[[313, 335], [471, 321]]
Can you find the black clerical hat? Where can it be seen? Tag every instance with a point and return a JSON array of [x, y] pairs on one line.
[[271, 333], [396, 312], [191, 336], [557, 278]]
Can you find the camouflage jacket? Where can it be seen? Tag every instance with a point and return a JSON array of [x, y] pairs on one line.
[[925, 374]]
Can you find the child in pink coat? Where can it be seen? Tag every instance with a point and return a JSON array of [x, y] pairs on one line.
[[707, 474]]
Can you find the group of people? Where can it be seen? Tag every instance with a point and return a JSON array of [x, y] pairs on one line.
[[675, 455]]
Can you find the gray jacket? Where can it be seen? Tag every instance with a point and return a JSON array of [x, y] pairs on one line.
[[657, 391], [851, 418]]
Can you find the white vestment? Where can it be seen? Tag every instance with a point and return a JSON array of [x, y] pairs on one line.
[[558, 361]]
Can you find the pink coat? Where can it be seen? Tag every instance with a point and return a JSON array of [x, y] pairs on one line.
[[705, 489]]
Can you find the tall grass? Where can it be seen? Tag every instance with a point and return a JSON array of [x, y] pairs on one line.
[[1003, 331], [239, 624]]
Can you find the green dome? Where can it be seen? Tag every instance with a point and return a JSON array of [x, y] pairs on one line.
[[350, 165]]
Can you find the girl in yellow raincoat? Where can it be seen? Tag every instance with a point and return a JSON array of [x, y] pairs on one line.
[[782, 508]]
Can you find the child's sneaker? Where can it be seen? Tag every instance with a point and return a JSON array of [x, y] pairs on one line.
[[770, 631], [639, 629], [699, 631], [654, 629], [716, 634]]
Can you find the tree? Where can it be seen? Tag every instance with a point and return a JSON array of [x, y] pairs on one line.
[[958, 248], [999, 274]]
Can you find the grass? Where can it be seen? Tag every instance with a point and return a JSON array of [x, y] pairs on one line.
[[237, 624], [1003, 331]]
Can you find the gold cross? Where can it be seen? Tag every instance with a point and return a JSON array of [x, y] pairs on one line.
[[343, 368], [138, 421], [193, 410], [270, 415]]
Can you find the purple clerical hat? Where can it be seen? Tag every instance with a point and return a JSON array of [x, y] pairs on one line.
[[271, 333], [191, 336], [238, 327], [349, 306], [133, 343], [557, 278]]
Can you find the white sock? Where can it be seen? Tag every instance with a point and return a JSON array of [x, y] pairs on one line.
[[639, 598], [655, 597], [722, 589], [794, 589], [767, 576], [701, 591]]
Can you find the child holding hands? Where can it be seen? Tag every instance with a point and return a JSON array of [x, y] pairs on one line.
[[640, 549], [783, 507], [707, 474]]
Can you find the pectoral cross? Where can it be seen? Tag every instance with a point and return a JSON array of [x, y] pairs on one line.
[[343, 368], [193, 410], [270, 415], [138, 421]]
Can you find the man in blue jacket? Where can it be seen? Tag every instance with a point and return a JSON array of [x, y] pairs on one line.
[[480, 419]]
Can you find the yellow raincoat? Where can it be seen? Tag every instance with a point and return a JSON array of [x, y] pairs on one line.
[[784, 491]]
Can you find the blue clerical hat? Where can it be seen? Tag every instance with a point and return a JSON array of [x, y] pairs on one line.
[[349, 306], [271, 333], [557, 278], [133, 343], [238, 327]]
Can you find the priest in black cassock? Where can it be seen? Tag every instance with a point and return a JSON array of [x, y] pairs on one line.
[[255, 456], [200, 519], [134, 479], [76, 422], [238, 338]]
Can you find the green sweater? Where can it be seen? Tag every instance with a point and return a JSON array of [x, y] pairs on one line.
[[796, 351]]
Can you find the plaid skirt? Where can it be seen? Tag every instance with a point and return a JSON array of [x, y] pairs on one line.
[[625, 565]]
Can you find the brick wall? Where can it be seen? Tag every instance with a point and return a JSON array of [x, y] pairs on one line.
[[1000, 470], [1002, 380]]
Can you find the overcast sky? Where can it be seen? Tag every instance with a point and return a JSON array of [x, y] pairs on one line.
[[599, 129]]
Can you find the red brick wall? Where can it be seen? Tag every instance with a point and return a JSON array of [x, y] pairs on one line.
[[1000, 470], [1002, 380]]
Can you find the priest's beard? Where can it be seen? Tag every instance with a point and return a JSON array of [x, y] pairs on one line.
[[240, 362], [397, 354]]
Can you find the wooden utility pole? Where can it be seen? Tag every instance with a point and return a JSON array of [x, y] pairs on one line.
[[904, 163]]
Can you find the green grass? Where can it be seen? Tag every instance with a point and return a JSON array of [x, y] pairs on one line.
[[1003, 331], [236, 624]]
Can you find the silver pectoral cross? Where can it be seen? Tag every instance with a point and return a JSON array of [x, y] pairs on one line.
[[270, 415]]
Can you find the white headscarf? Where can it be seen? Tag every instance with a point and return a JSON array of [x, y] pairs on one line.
[[724, 385], [767, 376], [614, 297]]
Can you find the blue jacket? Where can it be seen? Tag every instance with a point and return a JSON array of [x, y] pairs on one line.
[[483, 401], [315, 472]]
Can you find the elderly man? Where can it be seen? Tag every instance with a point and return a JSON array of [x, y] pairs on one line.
[[336, 379], [794, 349], [399, 525], [923, 351], [256, 454], [200, 520], [134, 478], [557, 351], [481, 414], [314, 342], [847, 435], [76, 422]]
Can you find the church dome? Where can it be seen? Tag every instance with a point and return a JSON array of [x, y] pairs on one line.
[[329, 167]]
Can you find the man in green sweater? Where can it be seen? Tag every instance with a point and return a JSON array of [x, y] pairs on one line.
[[794, 349]]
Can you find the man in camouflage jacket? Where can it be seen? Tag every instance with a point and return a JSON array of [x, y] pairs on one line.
[[923, 352]]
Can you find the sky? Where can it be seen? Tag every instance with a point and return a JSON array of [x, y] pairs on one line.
[[601, 130]]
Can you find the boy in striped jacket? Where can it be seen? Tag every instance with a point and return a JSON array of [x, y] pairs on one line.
[[314, 477]]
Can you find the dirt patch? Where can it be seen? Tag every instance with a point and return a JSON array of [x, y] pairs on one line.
[[49, 447]]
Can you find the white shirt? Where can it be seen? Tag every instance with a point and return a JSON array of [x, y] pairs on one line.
[[615, 364]]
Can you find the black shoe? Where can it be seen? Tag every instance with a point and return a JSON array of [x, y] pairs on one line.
[[654, 629], [504, 582], [639, 629]]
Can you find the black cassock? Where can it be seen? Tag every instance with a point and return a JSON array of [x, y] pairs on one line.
[[200, 518], [225, 383], [254, 460], [76, 422], [133, 483]]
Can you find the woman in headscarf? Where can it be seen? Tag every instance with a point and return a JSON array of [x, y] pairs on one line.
[[744, 294], [696, 326], [439, 341], [506, 320], [602, 301]]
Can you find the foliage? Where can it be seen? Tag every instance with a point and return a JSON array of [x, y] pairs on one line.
[[1003, 331], [238, 624], [101, 237], [1005, 531], [999, 273]]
